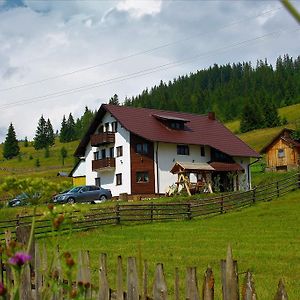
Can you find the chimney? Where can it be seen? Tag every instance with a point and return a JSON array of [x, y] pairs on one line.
[[211, 115]]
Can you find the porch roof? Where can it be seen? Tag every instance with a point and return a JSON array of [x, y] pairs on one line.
[[190, 167], [226, 167]]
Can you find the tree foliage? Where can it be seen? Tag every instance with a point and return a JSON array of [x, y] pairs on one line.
[[226, 89], [44, 135], [11, 146]]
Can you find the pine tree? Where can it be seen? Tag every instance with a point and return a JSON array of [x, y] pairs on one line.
[[63, 154], [11, 146], [252, 117], [40, 139], [63, 131], [114, 100], [71, 130], [26, 144], [50, 134]]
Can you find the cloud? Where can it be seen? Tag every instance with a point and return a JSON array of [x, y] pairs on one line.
[[44, 39]]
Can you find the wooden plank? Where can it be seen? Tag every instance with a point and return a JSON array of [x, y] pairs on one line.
[[103, 281], [248, 290], [229, 277], [281, 293], [208, 285], [25, 284], [38, 279], [145, 280], [119, 292], [57, 294], [192, 292], [132, 280], [160, 291], [176, 284]]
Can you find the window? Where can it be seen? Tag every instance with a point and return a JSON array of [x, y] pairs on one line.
[[97, 181], [111, 152], [281, 153], [106, 127], [103, 153], [96, 155], [177, 125], [142, 148], [114, 126], [202, 151], [183, 150], [119, 179], [142, 176], [119, 151]]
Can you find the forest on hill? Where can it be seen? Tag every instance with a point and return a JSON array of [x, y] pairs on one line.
[[227, 89]]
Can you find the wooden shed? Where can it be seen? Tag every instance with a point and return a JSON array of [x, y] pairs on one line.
[[283, 152]]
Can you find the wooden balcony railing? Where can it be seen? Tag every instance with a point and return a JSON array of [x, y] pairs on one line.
[[104, 163], [102, 138]]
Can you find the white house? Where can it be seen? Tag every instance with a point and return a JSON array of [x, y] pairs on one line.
[[132, 150]]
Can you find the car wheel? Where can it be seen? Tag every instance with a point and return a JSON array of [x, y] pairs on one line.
[[71, 201], [103, 198]]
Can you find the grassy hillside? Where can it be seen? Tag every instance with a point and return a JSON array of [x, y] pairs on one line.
[[257, 139], [264, 239], [25, 163]]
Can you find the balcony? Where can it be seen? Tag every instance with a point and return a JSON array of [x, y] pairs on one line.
[[102, 138], [105, 163]]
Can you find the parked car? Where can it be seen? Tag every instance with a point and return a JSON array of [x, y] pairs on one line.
[[84, 193], [20, 200]]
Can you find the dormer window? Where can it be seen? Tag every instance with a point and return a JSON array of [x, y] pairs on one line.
[[172, 122]]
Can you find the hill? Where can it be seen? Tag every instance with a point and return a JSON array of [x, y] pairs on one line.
[[260, 137], [26, 163]]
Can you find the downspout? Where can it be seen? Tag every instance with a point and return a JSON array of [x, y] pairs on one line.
[[248, 170], [157, 169]]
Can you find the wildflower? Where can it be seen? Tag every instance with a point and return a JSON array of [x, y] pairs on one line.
[[57, 221], [2, 289], [19, 259], [73, 293], [50, 207]]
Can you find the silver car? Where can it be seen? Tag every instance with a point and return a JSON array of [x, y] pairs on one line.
[[85, 193]]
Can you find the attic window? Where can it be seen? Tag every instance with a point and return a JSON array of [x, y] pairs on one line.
[[281, 153], [172, 122]]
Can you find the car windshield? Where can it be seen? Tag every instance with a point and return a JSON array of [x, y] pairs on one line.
[[75, 189]]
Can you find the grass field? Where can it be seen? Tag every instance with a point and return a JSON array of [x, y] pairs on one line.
[[265, 239]]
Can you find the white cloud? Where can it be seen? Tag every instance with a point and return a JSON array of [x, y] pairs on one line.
[[138, 9], [49, 38]]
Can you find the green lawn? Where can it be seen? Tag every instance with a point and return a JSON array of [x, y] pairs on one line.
[[264, 238]]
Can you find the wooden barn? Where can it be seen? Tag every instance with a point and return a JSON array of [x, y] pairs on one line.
[[283, 152]]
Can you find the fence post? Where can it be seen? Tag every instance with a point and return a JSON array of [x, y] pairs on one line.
[[192, 292], [151, 211], [189, 211], [248, 290], [229, 277], [103, 282], [208, 285], [281, 294], [176, 284], [277, 189], [118, 214], [254, 195], [159, 287], [132, 280], [222, 205], [120, 295]]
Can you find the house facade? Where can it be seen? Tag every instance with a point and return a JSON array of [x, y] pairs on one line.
[[283, 152], [132, 150]]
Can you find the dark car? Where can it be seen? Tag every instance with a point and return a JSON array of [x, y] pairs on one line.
[[84, 193], [20, 200]]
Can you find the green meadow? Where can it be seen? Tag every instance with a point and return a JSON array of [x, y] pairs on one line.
[[264, 238]]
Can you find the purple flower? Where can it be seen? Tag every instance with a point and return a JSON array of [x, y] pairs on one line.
[[19, 259]]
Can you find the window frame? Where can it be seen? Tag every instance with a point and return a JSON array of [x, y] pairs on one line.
[[143, 175], [119, 151], [119, 179], [142, 148], [183, 149], [281, 153], [202, 151]]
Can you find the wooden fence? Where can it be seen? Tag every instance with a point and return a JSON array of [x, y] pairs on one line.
[[150, 212], [47, 280]]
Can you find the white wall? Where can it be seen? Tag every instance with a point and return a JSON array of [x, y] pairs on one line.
[[80, 169], [243, 178], [167, 157], [108, 177]]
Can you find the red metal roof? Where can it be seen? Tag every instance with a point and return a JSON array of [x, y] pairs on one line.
[[226, 167], [200, 130]]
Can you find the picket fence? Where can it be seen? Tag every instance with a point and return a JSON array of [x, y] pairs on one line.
[[46, 280], [143, 212]]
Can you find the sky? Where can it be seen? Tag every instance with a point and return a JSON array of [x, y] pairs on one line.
[[58, 56]]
